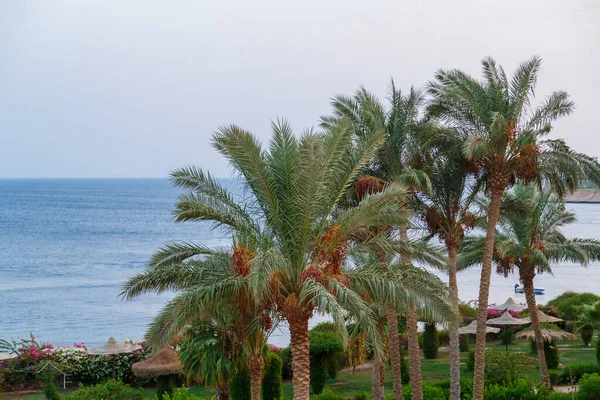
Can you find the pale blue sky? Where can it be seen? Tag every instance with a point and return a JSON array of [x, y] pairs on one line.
[[135, 88]]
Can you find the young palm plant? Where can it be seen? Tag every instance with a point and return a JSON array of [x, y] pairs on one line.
[[394, 162], [291, 189], [530, 245], [503, 139]]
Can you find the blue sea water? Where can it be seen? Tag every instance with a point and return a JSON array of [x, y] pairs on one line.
[[68, 245]]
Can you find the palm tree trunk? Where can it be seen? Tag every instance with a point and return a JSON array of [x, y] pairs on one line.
[[394, 341], [537, 329], [453, 326], [412, 324], [222, 388], [300, 346], [376, 393], [256, 364], [484, 293]]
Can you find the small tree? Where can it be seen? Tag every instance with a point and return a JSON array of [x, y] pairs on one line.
[[324, 344], [271, 384], [240, 385], [430, 341]]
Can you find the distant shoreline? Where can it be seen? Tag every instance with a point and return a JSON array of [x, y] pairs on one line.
[[584, 196]]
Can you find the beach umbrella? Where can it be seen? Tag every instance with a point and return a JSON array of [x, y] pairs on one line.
[[510, 305], [548, 335], [163, 365], [507, 320], [543, 317], [472, 328], [4, 356], [113, 347]]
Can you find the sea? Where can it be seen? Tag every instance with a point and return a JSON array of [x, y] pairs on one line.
[[68, 245]]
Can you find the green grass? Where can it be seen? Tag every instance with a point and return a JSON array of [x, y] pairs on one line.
[[347, 384]]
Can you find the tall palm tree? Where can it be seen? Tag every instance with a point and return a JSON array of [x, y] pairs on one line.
[[530, 245], [446, 212], [503, 138], [291, 191], [394, 162]]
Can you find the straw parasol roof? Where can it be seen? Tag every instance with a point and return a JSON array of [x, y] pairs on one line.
[[547, 334], [472, 328], [510, 304], [113, 347], [506, 319], [543, 317], [165, 362], [4, 356]]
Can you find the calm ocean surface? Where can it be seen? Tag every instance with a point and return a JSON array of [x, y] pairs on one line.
[[67, 246]]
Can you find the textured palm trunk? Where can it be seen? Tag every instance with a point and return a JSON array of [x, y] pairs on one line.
[[453, 326], [412, 324], [484, 293], [394, 341], [256, 364], [376, 392], [537, 329], [299, 345], [222, 388]]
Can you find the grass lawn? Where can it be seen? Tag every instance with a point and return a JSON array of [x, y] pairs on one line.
[[347, 384]]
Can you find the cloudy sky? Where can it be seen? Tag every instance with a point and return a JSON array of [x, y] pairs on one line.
[[107, 88]]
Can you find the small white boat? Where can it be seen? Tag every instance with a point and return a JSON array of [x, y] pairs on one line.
[[519, 289]]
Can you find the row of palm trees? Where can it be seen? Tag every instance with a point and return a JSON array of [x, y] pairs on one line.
[[323, 221]]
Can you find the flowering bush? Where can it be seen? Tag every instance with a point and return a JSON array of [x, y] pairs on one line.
[[495, 313]]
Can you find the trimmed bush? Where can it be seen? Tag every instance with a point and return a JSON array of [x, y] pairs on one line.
[[50, 390], [271, 384], [589, 387], [404, 370], [471, 361], [464, 343], [431, 343], [553, 375], [319, 370], [551, 355], [324, 346], [430, 392], [587, 333], [571, 374], [165, 384], [502, 369], [239, 388], [327, 395], [111, 390]]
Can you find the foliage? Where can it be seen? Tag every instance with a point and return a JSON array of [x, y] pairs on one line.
[[598, 350], [587, 333], [430, 391], [404, 369], [518, 389], [589, 387], [506, 336], [110, 390], [471, 361], [240, 385], [327, 395], [502, 369], [443, 337], [286, 361], [569, 304], [467, 313], [430, 341], [50, 389], [165, 384], [319, 370], [324, 339], [571, 374], [553, 375], [464, 343], [181, 394], [271, 384], [551, 354]]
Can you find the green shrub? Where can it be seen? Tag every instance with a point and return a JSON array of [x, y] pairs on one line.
[[471, 361], [430, 392], [327, 395], [181, 394], [586, 332], [50, 389], [553, 375], [165, 384], [502, 369], [286, 360], [571, 374], [239, 388], [271, 384], [506, 336], [319, 370], [431, 343], [598, 350], [589, 387], [404, 370], [110, 390], [568, 304], [519, 389], [464, 343], [363, 396], [443, 337], [324, 346], [551, 355]]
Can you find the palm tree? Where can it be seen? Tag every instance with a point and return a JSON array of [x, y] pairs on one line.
[[291, 192], [503, 142], [588, 322], [446, 212], [530, 245], [394, 162]]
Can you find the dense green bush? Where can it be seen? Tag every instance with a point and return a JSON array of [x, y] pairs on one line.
[[506, 336], [327, 395], [518, 389], [464, 343], [319, 370], [50, 389], [165, 384], [430, 392], [551, 355], [553, 375], [239, 388], [587, 333], [271, 384], [568, 304], [443, 337], [324, 346], [286, 360], [181, 394], [589, 387], [471, 361], [571, 374], [431, 343], [502, 369], [110, 390], [404, 369], [362, 396], [598, 350]]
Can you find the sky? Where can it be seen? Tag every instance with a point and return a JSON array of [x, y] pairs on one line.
[[136, 88]]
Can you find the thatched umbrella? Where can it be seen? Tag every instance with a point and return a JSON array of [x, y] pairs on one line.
[[510, 305], [548, 335], [113, 347], [164, 365], [472, 328], [543, 317], [507, 320]]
